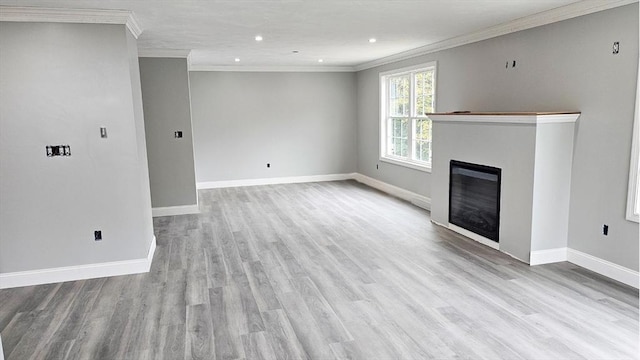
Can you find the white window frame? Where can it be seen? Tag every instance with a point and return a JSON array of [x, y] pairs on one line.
[[384, 105], [633, 196]]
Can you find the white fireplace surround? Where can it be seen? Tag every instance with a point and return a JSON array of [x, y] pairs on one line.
[[534, 151]]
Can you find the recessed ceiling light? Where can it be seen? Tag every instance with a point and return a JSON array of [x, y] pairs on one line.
[[320, 60], [372, 40], [237, 60], [258, 38]]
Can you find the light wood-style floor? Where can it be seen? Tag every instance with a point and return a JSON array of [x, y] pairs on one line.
[[322, 271]]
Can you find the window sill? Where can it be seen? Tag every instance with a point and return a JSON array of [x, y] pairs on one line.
[[408, 164]]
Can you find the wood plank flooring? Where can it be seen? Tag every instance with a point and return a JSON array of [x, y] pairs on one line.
[[322, 271]]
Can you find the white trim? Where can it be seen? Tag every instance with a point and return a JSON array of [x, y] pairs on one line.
[[416, 199], [557, 119], [240, 68], [74, 16], [408, 164], [175, 210], [518, 119], [604, 267], [164, 53], [570, 11], [78, 272], [473, 236], [272, 181], [548, 256], [634, 171]]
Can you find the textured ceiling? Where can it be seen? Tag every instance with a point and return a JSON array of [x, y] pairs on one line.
[[337, 31]]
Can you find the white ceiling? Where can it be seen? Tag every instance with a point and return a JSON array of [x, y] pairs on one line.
[[337, 31]]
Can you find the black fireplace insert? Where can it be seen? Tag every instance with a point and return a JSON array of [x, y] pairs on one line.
[[474, 198]]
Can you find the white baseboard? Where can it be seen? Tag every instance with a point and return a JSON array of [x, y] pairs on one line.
[[272, 181], [416, 199], [175, 210], [604, 267], [549, 256], [79, 272]]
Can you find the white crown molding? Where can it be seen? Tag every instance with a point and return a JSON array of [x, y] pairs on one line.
[[240, 68], [74, 16], [164, 53], [78, 272], [570, 11]]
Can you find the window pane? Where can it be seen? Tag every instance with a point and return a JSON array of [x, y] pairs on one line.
[[422, 140], [402, 148], [423, 151], [399, 96], [398, 144], [397, 127], [404, 128], [423, 129], [424, 92]]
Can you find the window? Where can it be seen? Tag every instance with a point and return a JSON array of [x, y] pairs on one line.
[[633, 199], [406, 95]]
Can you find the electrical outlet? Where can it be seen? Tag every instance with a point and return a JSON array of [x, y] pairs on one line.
[[376, 166], [97, 235], [103, 132], [605, 229], [58, 150], [268, 165], [177, 134], [616, 47]]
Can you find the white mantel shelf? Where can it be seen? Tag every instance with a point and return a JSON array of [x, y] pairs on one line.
[[506, 117]]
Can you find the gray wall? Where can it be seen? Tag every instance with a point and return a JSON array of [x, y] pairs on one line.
[[141, 146], [59, 83], [300, 123], [561, 66], [167, 108]]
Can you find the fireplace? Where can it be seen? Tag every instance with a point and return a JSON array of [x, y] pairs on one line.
[[534, 152], [474, 198]]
